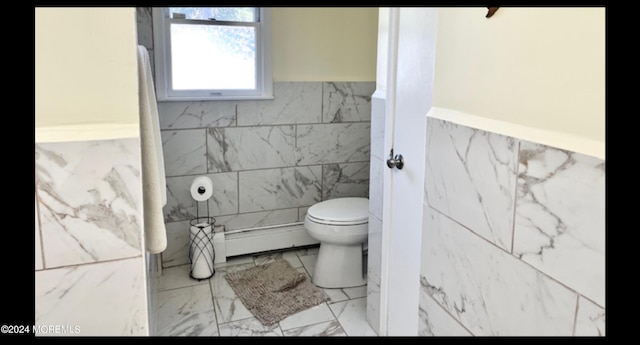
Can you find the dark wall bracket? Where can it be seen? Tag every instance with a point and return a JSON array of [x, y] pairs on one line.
[[492, 10]]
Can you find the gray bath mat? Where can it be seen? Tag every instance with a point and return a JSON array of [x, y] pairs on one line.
[[275, 290]]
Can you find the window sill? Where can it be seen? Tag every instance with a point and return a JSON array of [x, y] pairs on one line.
[[229, 98]]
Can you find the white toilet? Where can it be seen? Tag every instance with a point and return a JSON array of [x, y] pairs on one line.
[[341, 225]]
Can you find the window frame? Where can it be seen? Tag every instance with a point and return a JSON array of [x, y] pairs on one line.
[[162, 57]]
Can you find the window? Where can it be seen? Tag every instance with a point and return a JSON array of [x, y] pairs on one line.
[[212, 53]]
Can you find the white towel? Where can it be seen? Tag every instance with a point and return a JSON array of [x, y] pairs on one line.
[[154, 188]]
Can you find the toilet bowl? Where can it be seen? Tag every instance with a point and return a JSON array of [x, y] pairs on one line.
[[341, 226]]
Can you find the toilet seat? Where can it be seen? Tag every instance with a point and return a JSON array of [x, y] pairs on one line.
[[340, 212], [336, 223]]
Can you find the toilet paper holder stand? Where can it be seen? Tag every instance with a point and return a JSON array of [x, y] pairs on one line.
[[201, 245]]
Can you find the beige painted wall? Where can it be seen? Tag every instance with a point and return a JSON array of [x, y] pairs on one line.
[[86, 68], [539, 67], [324, 44]]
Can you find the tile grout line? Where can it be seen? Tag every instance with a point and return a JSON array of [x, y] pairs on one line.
[[213, 303]]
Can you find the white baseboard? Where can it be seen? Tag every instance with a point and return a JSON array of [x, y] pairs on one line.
[[255, 241]]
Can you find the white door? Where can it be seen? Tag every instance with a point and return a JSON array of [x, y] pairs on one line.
[[412, 35]]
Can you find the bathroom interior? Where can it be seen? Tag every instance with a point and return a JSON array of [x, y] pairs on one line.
[[494, 225]]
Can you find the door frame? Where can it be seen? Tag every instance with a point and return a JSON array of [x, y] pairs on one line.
[[389, 91], [409, 90]]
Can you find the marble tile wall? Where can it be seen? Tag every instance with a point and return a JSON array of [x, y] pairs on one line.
[[513, 237], [90, 269], [145, 31], [559, 225], [345, 179], [269, 160], [463, 186]]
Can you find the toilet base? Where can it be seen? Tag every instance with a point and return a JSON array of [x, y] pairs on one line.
[[338, 266]]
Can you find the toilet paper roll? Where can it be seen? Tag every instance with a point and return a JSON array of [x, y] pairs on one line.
[[201, 253], [201, 188]]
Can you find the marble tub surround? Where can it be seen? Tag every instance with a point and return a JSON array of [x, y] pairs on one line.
[[269, 160], [472, 178], [540, 268], [89, 201], [89, 238], [560, 217], [590, 319], [434, 320], [492, 293]]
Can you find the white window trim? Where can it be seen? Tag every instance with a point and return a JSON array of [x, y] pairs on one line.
[[162, 54]]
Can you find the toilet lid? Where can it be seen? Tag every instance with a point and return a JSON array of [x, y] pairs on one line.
[[340, 211]]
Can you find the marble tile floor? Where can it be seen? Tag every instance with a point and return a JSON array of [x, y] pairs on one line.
[[188, 307]]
